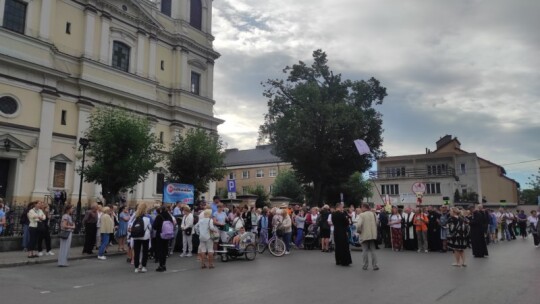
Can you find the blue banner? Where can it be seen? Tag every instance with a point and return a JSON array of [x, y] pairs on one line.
[[183, 193]]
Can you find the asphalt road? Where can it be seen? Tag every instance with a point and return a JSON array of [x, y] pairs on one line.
[[510, 275]]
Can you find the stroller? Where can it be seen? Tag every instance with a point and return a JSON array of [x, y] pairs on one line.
[[311, 239]]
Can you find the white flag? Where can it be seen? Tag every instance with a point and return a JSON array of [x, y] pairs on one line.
[[362, 147]]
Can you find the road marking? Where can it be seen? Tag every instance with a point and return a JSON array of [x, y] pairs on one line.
[[45, 291], [178, 270], [81, 286]]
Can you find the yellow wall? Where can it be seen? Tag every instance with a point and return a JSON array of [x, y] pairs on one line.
[[164, 76], [73, 43], [30, 111], [72, 118], [494, 186]]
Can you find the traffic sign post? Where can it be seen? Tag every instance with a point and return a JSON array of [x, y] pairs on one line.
[[231, 189]]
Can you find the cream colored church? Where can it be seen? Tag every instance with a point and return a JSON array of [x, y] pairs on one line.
[[61, 59]]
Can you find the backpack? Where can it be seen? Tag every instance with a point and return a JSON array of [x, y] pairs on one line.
[[137, 229], [167, 230]]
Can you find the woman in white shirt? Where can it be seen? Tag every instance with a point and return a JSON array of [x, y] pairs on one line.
[[206, 245], [141, 242], [187, 229], [394, 221]]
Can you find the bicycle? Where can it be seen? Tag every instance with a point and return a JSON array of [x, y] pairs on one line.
[[274, 244]]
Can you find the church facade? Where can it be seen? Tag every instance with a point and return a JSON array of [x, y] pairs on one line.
[[62, 59]]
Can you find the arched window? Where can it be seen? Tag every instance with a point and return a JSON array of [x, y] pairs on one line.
[[196, 14], [120, 57]]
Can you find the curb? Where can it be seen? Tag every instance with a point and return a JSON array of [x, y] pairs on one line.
[[50, 261]]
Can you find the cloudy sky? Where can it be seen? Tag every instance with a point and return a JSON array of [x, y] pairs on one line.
[[468, 68]]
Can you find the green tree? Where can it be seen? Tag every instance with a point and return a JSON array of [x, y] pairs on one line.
[[530, 196], [260, 192], [196, 158], [356, 189], [286, 184], [122, 150], [313, 118]]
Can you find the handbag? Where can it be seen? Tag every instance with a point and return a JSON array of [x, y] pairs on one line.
[[64, 234], [188, 231], [214, 235]]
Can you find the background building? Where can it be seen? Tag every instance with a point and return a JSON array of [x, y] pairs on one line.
[[443, 171], [251, 168], [59, 59]]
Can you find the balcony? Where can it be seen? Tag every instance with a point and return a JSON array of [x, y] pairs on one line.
[[412, 174]]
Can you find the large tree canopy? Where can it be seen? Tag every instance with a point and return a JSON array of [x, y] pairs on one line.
[[286, 184], [313, 118], [122, 150], [196, 158]]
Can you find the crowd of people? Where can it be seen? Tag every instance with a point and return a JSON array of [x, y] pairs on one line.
[[153, 233]]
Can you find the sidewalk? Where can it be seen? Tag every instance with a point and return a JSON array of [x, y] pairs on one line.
[[19, 258]]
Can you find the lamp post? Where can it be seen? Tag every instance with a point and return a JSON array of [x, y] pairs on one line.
[[83, 142]]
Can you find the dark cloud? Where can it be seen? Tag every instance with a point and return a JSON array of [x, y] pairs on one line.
[[466, 68]]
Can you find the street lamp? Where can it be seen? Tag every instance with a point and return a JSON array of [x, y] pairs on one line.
[[83, 142]]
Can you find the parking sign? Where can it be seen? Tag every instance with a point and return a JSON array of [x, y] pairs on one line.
[[231, 185]]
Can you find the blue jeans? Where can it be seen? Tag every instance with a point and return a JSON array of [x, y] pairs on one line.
[[299, 236], [287, 240], [104, 243], [25, 236]]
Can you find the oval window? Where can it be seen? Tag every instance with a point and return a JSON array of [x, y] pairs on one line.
[[8, 105]]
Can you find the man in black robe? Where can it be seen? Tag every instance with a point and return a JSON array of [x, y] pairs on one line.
[[341, 223], [409, 233], [434, 230], [477, 222]]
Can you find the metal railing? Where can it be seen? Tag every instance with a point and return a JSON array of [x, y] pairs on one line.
[[412, 173], [13, 222]]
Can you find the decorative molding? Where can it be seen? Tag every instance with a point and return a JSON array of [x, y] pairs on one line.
[[61, 158], [198, 64]]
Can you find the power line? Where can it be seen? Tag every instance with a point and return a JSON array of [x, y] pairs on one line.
[[522, 162]]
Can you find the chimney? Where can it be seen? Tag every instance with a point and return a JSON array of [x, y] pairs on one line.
[[443, 141]]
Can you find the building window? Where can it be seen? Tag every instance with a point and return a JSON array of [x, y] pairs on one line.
[[462, 169], [260, 173], [160, 183], [162, 65], [390, 189], [15, 16], [433, 188], [68, 28], [8, 105], [63, 118], [245, 190], [166, 7], [437, 169], [160, 137], [196, 14], [395, 172], [270, 189], [195, 83], [59, 178], [272, 172], [120, 58], [232, 175], [245, 174]]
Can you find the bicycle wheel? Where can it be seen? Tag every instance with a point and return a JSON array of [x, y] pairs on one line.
[[250, 252], [276, 247]]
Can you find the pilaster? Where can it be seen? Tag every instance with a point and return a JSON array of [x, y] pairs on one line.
[[85, 108], [45, 19], [105, 33], [141, 37], [41, 181], [152, 58], [90, 21], [185, 71]]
